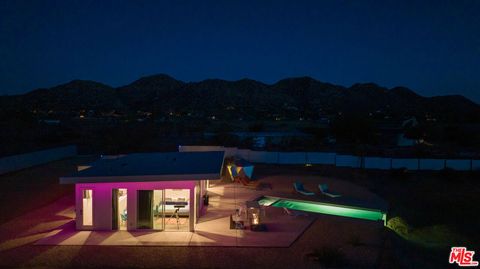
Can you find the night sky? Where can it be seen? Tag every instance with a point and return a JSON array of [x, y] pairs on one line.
[[432, 47]]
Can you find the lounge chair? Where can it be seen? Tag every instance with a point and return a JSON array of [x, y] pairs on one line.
[[300, 189], [245, 181], [324, 190], [294, 213]]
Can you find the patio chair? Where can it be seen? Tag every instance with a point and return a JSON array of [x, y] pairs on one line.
[[246, 182], [324, 190], [300, 189], [251, 184], [235, 223], [294, 213]]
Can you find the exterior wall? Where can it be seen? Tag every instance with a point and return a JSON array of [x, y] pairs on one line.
[[432, 164], [348, 161], [377, 163], [462, 165], [410, 164], [476, 165], [22, 161], [292, 158], [102, 201], [321, 158]]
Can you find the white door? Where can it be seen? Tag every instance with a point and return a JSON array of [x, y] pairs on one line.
[[86, 210]]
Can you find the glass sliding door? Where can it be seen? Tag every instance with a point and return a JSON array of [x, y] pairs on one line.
[[167, 209], [87, 208], [158, 210], [177, 209], [145, 209]]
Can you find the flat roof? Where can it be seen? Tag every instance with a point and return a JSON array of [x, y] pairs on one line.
[[158, 166]]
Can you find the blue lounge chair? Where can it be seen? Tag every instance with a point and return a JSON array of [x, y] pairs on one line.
[[324, 190], [300, 189]]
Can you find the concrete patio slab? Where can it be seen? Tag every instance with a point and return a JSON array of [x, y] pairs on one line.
[[213, 228]]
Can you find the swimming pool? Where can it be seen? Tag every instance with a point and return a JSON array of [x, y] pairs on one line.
[[325, 208]]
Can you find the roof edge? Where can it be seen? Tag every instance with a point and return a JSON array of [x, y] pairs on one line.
[[144, 178]]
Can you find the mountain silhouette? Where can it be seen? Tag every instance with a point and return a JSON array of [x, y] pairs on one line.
[[291, 98]]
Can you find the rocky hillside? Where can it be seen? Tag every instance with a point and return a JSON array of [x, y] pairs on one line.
[[288, 98]]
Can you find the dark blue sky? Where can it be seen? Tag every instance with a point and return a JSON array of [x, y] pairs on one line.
[[432, 47]]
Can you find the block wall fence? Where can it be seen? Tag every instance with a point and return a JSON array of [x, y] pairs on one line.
[[340, 160], [22, 161]]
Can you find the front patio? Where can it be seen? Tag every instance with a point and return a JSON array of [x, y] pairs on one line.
[[213, 228]]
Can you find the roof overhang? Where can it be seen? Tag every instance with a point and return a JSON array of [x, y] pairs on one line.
[[139, 178]]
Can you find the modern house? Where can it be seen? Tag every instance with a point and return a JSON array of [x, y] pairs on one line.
[[153, 191]]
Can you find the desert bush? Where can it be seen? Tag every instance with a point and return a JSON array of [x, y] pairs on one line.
[[399, 226]]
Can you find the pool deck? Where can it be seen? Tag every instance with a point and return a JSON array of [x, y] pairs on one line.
[[213, 228], [352, 195]]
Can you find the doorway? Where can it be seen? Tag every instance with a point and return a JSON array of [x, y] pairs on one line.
[[167, 210], [145, 209], [87, 207], [119, 209]]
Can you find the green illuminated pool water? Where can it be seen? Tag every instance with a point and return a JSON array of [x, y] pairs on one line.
[[324, 208]]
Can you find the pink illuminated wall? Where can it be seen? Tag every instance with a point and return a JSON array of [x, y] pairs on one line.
[[102, 201]]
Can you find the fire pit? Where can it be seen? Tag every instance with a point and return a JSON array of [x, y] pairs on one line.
[[253, 216]]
